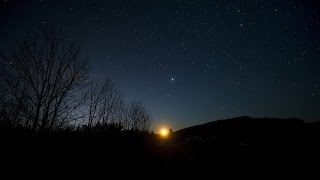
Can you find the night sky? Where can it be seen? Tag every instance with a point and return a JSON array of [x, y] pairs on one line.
[[192, 62]]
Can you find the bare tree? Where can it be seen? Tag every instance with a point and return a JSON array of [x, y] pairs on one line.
[[42, 77], [138, 118], [105, 107], [104, 103]]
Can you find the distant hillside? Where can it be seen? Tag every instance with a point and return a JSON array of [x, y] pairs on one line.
[[242, 125], [250, 141]]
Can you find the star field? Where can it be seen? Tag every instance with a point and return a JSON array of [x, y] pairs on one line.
[[192, 61]]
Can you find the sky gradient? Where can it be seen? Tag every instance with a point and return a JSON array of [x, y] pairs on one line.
[[192, 62]]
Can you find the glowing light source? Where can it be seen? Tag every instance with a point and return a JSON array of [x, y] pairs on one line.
[[164, 132]]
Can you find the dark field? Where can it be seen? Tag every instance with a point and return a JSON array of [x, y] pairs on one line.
[[238, 147]]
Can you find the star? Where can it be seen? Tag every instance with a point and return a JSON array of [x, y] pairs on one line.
[[195, 58]]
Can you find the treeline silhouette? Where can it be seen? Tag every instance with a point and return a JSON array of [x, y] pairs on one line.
[[56, 117], [46, 85]]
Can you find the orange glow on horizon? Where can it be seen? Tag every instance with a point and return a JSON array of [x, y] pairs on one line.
[[164, 132]]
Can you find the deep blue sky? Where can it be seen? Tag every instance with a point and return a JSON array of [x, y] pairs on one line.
[[192, 61]]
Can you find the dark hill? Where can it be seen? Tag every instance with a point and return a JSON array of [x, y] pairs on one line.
[[255, 141], [241, 125]]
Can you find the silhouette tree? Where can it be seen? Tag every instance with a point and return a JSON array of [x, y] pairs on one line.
[[104, 109], [138, 118], [104, 103], [42, 78]]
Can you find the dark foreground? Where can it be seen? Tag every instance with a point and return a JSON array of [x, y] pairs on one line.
[[241, 148]]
